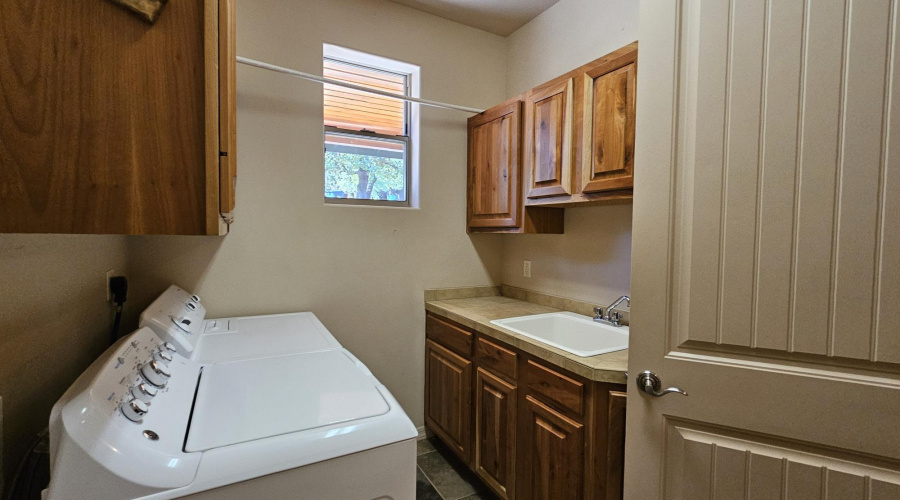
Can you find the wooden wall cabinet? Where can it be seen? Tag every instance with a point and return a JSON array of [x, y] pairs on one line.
[[493, 173], [548, 139], [568, 142], [607, 153], [111, 125], [595, 167], [539, 432], [494, 188]]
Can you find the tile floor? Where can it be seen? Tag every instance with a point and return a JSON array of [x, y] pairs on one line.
[[441, 476]]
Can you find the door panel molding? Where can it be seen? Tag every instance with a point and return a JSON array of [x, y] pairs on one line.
[[781, 232], [798, 359], [706, 461]]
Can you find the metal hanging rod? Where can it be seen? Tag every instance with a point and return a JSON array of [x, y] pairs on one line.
[[321, 79]]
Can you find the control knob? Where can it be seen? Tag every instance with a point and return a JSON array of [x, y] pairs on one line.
[[144, 392], [156, 373], [167, 346], [162, 357], [183, 323], [134, 410], [195, 299]]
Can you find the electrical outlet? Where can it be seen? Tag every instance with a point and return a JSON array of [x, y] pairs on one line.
[[109, 274], [526, 269]]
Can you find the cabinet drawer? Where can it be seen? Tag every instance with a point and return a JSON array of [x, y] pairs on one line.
[[495, 358], [450, 336], [556, 388]]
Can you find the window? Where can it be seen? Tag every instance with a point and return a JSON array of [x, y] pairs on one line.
[[367, 136]]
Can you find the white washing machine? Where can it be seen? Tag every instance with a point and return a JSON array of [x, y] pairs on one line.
[[264, 407]]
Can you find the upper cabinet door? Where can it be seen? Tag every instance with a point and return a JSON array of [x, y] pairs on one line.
[[608, 149], [548, 139], [493, 173], [111, 125]]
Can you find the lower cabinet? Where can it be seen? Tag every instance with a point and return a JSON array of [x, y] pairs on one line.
[[555, 445], [529, 429], [448, 396], [495, 433]]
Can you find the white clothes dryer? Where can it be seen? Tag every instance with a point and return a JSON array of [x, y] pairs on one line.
[[265, 407]]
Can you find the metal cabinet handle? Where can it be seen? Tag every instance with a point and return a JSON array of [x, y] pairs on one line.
[[649, 382]]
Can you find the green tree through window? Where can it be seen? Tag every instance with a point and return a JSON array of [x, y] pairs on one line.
[[364, 177]]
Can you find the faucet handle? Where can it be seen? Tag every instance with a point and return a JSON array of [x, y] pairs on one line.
[[598, 312], [616, 317]]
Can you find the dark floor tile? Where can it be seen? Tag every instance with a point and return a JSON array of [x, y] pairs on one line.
[[424, 489], [424, 446], [482, 495], [449, 475]]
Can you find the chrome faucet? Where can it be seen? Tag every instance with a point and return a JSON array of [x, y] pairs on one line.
[[611, 317]]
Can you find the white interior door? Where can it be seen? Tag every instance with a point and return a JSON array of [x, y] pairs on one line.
[[766, 254]]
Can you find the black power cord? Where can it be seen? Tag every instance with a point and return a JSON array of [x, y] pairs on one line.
[[118, 287], [33, 473]]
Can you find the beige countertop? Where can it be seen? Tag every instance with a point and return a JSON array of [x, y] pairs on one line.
[[477, 313]]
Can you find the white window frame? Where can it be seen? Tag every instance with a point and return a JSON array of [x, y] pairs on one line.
[[412, 73]]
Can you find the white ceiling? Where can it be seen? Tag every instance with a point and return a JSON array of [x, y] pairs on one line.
[[496, 16]]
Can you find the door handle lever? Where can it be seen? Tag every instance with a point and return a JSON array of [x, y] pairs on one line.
[[649, 382]]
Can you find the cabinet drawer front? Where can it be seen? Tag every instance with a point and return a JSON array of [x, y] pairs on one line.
[[450, 336], [555, 387], [499, 360]]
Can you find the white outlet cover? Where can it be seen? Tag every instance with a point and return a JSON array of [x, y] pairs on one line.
[[526, 269]]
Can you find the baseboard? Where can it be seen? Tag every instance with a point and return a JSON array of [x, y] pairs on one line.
[[424, 433]]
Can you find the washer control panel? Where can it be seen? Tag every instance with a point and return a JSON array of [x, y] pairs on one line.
[[140, 387], [177, 317], [141, 372]]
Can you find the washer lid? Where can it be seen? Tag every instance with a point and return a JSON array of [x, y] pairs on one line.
[[255, 336], [252, 399]]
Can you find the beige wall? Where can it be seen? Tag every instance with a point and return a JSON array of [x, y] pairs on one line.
[[361, 270], [54, 321], [565, 36], [592, 260]]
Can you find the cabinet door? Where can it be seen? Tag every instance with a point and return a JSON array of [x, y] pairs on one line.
[[553, 454], [493, 173], [608, 149], [448, 396], [495, 433], [615, 445], [108, 124], [548, 140]]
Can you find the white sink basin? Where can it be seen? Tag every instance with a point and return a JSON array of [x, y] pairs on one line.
[[580, 335]]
